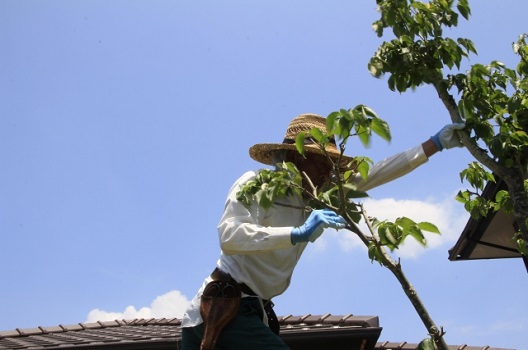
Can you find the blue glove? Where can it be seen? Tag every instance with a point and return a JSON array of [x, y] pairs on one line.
[[315, 224], [447, 137]]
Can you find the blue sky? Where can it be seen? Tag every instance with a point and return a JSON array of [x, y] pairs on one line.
[[124, 123]]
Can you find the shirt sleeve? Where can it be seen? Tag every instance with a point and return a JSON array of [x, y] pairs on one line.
[[240, 230], [392, 168]]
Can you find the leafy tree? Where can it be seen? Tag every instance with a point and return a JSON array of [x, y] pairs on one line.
[[491, 100]]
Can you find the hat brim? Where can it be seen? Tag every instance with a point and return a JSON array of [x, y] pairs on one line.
[[263, 152]]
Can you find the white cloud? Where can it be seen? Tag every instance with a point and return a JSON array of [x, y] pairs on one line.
[[518, 324], [168, 305], [449, 217], [509, 328]]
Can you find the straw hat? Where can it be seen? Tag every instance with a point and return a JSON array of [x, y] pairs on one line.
[[262, 152]]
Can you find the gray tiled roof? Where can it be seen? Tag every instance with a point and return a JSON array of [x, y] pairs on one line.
[[166, 333], [91, 334], [153, 331]]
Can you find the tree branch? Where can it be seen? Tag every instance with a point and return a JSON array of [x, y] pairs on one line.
[[478, 153]]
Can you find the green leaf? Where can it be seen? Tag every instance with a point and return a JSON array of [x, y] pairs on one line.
[[390, 235], [299, 142], [381, 128], [352, 192], [521, 244], [263, 198], [392, 83], [417, 234], [369, 111], [476, 175], [363, 134], [317, 134], [463, 8], [405, 222], [353, 211], [374, 253], [427, 344], [375, 67], [363, 166], [504, 201], [378, 28], [427, 226], [330, 120]]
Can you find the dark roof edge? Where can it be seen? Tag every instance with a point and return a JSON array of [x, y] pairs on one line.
[[474, 228]]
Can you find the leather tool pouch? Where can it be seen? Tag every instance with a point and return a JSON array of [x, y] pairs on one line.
[[219, 305]]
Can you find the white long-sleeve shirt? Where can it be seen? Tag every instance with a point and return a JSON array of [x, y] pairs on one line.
[[256, 247]]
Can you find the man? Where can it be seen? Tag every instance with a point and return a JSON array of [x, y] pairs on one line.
[[261, 246]]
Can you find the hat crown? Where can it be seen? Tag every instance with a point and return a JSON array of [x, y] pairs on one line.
[[304, 122]]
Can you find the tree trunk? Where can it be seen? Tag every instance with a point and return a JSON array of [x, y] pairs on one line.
[[519, 197]]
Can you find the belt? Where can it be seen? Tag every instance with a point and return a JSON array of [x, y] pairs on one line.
[[244, 288]]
